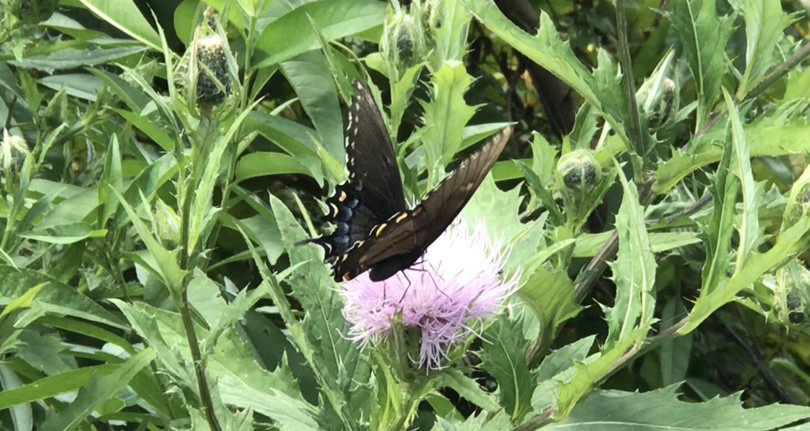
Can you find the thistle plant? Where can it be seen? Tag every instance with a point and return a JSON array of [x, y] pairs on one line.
[[447, 298], [647, 270]]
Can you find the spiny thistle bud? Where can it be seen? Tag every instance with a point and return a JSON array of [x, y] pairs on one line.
[[579, 170], [32, 11], [402, 44], [213, 82], [11, 149], [208, 66]]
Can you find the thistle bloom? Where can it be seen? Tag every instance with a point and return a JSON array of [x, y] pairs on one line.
[[454, 286]]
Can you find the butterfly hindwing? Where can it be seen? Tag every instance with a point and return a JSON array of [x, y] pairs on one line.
[[374, 189], [398, 242]]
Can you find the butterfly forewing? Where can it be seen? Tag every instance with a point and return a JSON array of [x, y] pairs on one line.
[[399, 241], [370, 156]]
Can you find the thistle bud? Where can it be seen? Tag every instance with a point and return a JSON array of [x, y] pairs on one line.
[[402, 44], [12, 150], [208, 66], [795, 309], [32, 11], [213, 82], [579, 170]]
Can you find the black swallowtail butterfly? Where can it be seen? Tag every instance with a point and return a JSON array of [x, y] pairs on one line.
[[374, 230]]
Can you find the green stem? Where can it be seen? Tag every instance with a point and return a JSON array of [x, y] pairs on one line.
[[637, 141], [197, 166]]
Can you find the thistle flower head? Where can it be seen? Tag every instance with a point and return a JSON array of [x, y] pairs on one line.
[[444, 295]]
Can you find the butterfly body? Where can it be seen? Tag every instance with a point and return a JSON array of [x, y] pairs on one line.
[[374, 230]]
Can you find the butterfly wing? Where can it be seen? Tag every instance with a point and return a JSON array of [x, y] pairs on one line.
[[374, 189], [370, 156], [398, 242]]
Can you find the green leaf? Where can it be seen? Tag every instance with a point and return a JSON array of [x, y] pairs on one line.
[[468, 389], [720, 229], [262, 163], [291, 414], [111, 177], [81, 85], [312, 81], [558, 366], [150, 128], [661, 409], [97, 391], [445, 116], [21, 414], [131, 96], [22, 301], [52, 386], [790, 242], [633, 271], [71, 58], [748, 229], [336, 359], [764, 137], [550, 295], [125, 16], [764, 25], [64, 234], [703, 36], [504, 357], [675, 352], [56, 297], [166, 261], [334, 18], [292, 137]]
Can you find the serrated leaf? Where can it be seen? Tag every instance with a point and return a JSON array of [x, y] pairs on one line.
[[291, 414], [790, 242], [748, 228], [445, 116], [661, 409], [720, 229], [765, 137], [703, 36], [558, 366], [336, 359], [633, 271], [504, 357]]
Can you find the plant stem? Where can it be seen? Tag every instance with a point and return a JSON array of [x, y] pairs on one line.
[[197, 167], [636, 139], [199, 363]]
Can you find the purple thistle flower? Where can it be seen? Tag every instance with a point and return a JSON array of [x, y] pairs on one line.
[[453, 287]]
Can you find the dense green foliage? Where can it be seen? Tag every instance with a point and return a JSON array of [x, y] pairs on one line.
[[160, 161]]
